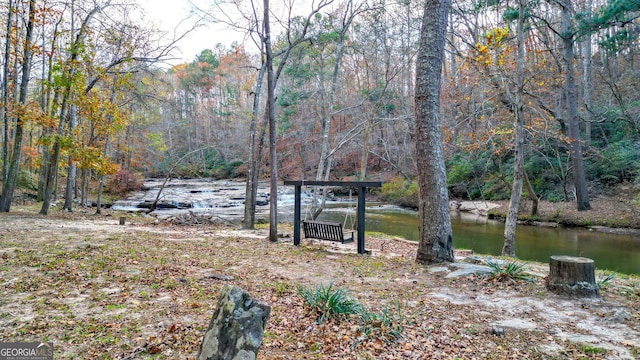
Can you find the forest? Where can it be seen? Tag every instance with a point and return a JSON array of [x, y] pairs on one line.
[[89, 105], [480, 100]]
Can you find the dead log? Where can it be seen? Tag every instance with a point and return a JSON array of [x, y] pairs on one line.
[[570, 275], [236, 328]]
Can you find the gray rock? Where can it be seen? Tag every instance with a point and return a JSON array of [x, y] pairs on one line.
[[515, 324], [438, 269], [476, 259], [236, 328], [621, 316], [468, 269], [497, 330]]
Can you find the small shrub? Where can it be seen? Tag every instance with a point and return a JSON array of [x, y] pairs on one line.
[[282, 288], [386, 327], [511, 271], [27, 180], [327, 303], [401, 192], [591, 349], [124, 181]]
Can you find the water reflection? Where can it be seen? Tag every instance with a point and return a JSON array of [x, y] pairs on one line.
[[610, 251]]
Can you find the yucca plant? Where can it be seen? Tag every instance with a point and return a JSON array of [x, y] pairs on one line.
[[510, 271], [604, 280], [327, 303]]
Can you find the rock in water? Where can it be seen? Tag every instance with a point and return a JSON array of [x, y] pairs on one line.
[[236, 328]]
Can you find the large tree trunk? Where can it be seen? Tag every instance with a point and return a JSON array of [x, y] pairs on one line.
[[509, 247], [11, 177], [575, 147], [436, 243]]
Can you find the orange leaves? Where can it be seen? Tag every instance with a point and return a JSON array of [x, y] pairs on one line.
[[30, 152]]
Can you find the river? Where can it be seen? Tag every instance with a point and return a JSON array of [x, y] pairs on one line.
[[225, 198], [620, 253]]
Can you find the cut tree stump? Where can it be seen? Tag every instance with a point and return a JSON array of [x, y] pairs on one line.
[[236, 328], [570, 275]]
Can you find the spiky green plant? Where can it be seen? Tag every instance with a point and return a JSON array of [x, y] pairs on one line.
[[511, 271], [328, 303], [604, 279]]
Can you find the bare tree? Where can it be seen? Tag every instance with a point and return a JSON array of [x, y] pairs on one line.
[[328, 106], [509, 248], [255, 27], [271, 103], [11, 177], [5, 92]]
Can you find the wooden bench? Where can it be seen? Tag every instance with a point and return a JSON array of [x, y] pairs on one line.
[[325, 231]]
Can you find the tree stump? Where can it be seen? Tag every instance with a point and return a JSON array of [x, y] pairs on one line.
[[571, 275], [236, 328]]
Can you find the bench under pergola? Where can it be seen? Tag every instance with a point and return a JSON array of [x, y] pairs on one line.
[[362, 189]]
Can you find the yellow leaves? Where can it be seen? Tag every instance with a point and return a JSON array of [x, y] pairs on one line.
[[26, 113], [495, 51], [496, 36], [504, 131], [501, 60]]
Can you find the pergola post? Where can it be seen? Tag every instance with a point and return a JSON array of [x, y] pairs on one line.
[[362, 190], [361, 206], [296, 215]]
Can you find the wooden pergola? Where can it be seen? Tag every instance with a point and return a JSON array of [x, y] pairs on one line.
[[362, 189]]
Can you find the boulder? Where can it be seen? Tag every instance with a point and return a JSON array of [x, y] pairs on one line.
[[236, 328]]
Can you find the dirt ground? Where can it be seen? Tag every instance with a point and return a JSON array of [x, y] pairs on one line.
[[147, 289]]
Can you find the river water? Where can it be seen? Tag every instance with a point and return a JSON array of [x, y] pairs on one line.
[[225, 198], [620, 253]]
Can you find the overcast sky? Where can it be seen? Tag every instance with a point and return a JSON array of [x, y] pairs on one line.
[[174, 16]]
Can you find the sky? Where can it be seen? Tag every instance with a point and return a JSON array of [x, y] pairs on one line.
[[174, 16]]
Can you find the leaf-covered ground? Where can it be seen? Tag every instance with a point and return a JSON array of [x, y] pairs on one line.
[[147, 289]]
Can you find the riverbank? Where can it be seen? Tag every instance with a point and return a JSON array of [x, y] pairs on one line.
[[616, 210], [97, 289]]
